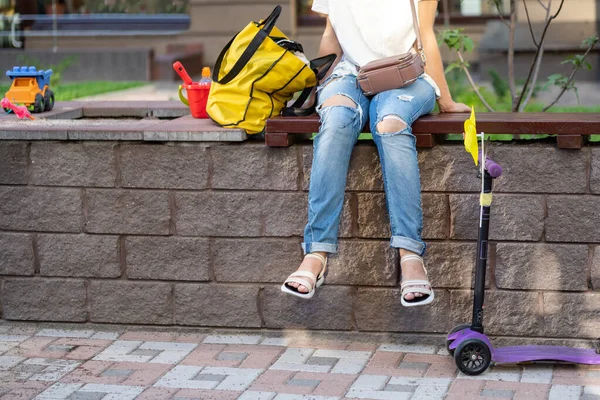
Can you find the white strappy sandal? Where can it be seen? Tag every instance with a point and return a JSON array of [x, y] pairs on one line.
[[412, 286], [311, 283]]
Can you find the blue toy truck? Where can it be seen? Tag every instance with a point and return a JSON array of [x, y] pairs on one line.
[[30, 87]]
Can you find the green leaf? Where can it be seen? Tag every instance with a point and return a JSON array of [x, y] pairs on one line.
[[451, 67]]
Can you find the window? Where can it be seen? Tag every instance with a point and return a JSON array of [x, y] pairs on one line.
[[459, 11]]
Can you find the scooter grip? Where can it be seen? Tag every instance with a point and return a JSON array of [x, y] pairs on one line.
[[494, 169]]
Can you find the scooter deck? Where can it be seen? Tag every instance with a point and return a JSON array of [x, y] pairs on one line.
[[517, 354]]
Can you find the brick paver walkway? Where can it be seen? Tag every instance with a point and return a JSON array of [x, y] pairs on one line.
[[89, 364]]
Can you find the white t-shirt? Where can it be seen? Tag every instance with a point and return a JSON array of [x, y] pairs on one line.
[[369, 30]]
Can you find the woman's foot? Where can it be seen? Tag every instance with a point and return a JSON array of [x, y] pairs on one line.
[[308, 276], [416, 288]]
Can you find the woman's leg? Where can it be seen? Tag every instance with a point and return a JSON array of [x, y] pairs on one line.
[[392, 114], [342, 109]]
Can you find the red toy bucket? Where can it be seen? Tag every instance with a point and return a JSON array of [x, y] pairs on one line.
[[197, 96]]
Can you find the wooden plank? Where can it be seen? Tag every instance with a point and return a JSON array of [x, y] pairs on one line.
[[569, 141], [425, 140], [509, 123], [280, 139]]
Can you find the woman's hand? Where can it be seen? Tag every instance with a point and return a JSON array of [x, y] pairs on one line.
[[454, 107]]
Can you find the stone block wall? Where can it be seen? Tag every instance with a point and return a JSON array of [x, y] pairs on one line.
[[203, 234]]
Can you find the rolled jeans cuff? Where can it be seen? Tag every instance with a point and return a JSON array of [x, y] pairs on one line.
[[323, 247], [414, 246]]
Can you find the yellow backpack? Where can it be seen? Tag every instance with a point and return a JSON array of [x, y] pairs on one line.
[[257, 73]]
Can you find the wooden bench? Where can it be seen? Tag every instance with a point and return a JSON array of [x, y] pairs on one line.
[[571, 128]]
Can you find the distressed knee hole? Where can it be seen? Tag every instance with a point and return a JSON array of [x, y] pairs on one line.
[[339, 100], [391, 124]]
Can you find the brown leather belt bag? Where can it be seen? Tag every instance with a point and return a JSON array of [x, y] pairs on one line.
[[396, 71]]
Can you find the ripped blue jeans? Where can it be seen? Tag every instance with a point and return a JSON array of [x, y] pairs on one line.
[[340, 127]]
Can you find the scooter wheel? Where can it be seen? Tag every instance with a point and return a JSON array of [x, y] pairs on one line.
[[454, 330], [472, 357]]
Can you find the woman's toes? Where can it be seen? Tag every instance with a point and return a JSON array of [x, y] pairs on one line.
[[409, 296]]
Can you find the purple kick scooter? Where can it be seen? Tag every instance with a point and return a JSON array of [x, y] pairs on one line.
[[471, 349]]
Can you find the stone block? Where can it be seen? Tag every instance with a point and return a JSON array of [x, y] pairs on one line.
[[573, 219], [172, 258], [379, 309], [447, 169], [513, 217], [596, 270], [595, 171], [572, 315], [125, 302], [330, 308], [373, 220], [13, 163], [16, 254], [285, 214], [217, 305], [40, 209], [254, 167], [219, 213], [73, 164], [537, 168], [364, 172], [436, 216], [361, 262], [44, 300], [255, 260], [128, 212], [79, 256], [541, 266], [451, 265], [510, 313], [181, 166]]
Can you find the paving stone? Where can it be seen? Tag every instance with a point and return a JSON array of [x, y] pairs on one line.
[[8, 362], [407, 348], [63, 333], [328, 361], [120, 373], [400, 388], [275, 342], [17, 254], [128, 212], [40, 209], [44, 300], [182, 376], [87, 396], [254, 167], [216, 305], [252, 395], [504, 394], [210, 377], [60, 391], [537, 374], [106, 335], [13, 163], [73, 164], [181, 166], [79, 256], [130, 302], [304, 382], [232, 339], [229, 356], [172, 258]]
